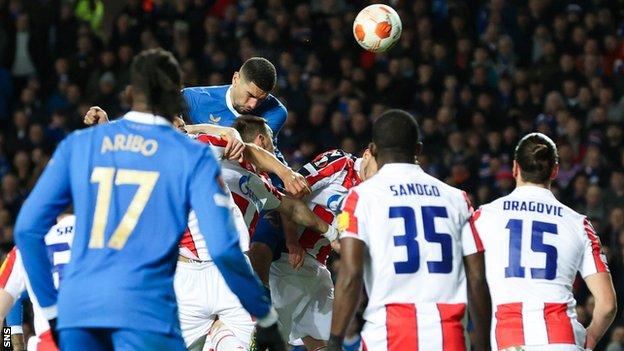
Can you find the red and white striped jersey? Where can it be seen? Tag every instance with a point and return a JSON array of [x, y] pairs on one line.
[[330, 175], [534, 247], [250, 192], [412, 225], [13, 278]]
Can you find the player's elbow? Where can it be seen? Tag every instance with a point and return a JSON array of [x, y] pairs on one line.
[[350, 278], [606, 308]]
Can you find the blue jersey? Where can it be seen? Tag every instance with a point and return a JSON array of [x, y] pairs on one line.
[[214, 105], [132, 183]]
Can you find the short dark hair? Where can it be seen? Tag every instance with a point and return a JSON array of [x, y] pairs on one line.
[[537, 156], [396, 131], [249, 126], [156, 74], [261, 72]]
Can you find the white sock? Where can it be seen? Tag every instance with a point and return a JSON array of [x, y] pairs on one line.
[[223, 339]]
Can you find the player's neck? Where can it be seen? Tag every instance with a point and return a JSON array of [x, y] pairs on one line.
[[520, 182], [384, 158]]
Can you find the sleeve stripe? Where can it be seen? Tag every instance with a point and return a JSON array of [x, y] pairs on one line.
[[349, 207], [468, 202], [7, 267], [475, 232], [212, 139], [328, 170], [595, 243]]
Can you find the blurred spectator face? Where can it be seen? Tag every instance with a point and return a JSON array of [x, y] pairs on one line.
[[464, 45], [478, 119], [505, 46], [456, 142], [569, 88], [107, 83], [377, 110], [606, 96], [494, 140], [585, 96], [125, 54], [479, 76], [61, 66], [359, 123], [554, 102], [573, 128], [349, 145], [428, 126], [317, 114], [84, 44], [73, 94], [591, 47], [579, 35], [610, 43], [484, 194], [566, 63], [593, 196], [616, 218], [27, 96], [592, 157], [480, 55], [123, 23], [21, 161], [382, 81], [581, 184], [21, 24], [598, 115], [20, 120], [565, 153], [617, 180], [35, 134], [425, 73], [444, 116], [617, 335], [9, 186], [590, 65], [614, 134], [354, 106], [211, 26], [510, 135], [484, 101], [337, 123]]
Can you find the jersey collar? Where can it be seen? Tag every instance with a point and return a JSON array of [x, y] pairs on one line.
[[146, 118], [532, 190], [398, 168], [228, 102]]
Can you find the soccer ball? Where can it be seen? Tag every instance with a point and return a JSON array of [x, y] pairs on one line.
[[377, 27]]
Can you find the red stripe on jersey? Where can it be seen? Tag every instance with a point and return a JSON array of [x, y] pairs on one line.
[[328, 170], [349, 207], [468, 202], [309, 237], [7, 267], [353, 178], [240, 202], [364, 348], [473, 229], [509, 329], [188, 242], [595, 243], [252, 225], [46, 343], [558, 324], [452, 329], [401, 327], [212, 140]]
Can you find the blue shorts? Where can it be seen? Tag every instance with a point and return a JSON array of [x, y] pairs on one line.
[[269, 232], [105, 339]]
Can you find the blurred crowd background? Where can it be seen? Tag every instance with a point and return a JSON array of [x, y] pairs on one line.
[[478, 75]]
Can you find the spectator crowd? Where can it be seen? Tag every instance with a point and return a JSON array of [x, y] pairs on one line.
[[478, 75]]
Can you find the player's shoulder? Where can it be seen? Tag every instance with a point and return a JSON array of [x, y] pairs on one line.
[[207, 92], [332, 156], [447, 191], [272, 107]]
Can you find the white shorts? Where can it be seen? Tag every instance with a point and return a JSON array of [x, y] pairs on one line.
[[303, 299], [202, 296]]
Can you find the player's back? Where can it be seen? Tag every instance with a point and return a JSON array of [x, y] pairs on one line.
[[534, 247], [129, 183], [411, 224]]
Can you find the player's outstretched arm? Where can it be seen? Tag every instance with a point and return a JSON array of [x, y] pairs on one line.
[[605, 308], [479, 302], [348, 289], [295, 183], [295, 251], [47, 200], [235, 145], [301, 214]]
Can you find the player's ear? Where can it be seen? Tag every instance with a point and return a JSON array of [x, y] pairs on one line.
[[418, 149], [126, 94], [555, 172], [515, 170], [235, 78], [373, 149]]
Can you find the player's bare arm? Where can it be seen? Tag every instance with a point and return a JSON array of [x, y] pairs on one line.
[[265, 161], [605, 308], [301, 214], [348, 289], [295, 251], [479, 302]]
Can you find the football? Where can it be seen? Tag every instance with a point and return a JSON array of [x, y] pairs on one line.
[[377, 27]]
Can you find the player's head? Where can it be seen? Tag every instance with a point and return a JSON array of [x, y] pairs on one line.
[[156, 80], [396, 138], [252, 84], [368, 165], [535, 160], [254, 129]]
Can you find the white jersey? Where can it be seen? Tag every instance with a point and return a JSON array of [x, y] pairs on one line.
[[412, 225], [13, 278], [250, 193], [534, 247]]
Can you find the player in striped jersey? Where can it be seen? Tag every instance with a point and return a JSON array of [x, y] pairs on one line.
[[303, 291], [403, 237], [13, 279], [252, 193], [534, 247]]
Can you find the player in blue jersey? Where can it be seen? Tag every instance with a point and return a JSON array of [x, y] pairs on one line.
[[130, 183]]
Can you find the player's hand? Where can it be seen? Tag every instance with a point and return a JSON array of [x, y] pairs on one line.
[[95, 115], [335, 245], [269, 338], [295, 255], [295, 184], [54, 331], [235, 145]]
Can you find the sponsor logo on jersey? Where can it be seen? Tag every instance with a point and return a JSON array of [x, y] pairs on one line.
[[246, 190], [334, 202], [214, 119]]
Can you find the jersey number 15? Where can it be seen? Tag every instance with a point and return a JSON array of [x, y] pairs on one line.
[[515, 268]]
